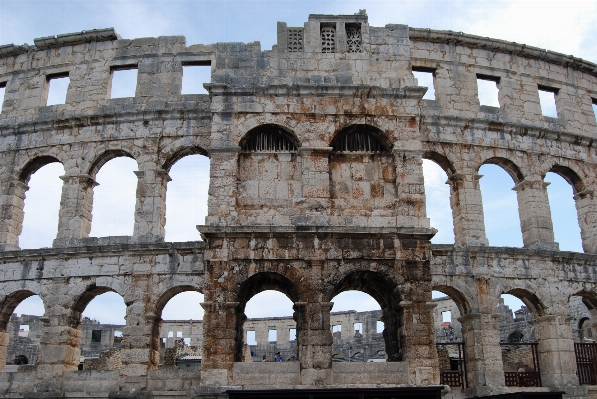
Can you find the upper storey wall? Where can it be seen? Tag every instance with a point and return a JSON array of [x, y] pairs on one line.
[[352, 54], [457, 59]]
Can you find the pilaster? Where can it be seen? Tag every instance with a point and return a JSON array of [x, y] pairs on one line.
[[587, 219], [150, 208], [535, 215], [12, 204], [76, 203], [467, 209], [410, 208]]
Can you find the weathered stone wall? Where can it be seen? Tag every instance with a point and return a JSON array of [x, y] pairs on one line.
[[316, 188]]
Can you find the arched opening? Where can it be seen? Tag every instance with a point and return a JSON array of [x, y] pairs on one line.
[[269, 170], [270, 329], [357, 327], [362, 173], [582, 314], [254, 337], [500, 204], [100, 313], [115, 197], [564, 216], [20, 319], [42, 202], [518, 340], [181, 329], [450, 306], [437, 197], [380, 294], [186, 197]]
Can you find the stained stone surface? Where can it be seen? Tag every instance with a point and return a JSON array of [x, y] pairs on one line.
[[342, 208]]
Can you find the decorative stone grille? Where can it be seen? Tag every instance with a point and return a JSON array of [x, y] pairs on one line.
[[353, 38], [328, 39], [295, 40]]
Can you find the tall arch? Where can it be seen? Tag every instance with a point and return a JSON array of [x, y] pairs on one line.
[[362, 172], [104, 158], [439, 191], [34, 165], [252, 286], [385, 292], [510, 167]]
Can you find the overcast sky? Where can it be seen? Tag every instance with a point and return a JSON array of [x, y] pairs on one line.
[[567, 27]]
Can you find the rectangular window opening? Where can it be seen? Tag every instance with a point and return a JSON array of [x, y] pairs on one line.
[[292, 334], [193, 77], [24, 330], [487, 90], [447, 316], [57, 88], [117, 337], [96, 335], [2, 92], [337, 328], [178, 334], [124, 81], [547, 99], [425, 77], [187, 341], [251, 340], [162, 342], [594, 100], [170, 334], [380, 326], [272, 335], [358, 327]]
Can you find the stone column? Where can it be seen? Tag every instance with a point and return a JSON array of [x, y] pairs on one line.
[[140, 347], [150, 208], [221, 204], [417, 341], [74, 218], [11, 222], [4, 338], [222, 342], [411, 210], [535, 215], [467, 209], [483, 354], [556, 351], [587, 219], [59, 346], [314, 340]]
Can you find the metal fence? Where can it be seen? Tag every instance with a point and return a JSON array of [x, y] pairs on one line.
[[586, 362]]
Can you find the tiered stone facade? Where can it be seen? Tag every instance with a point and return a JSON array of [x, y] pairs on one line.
[[316, 187]]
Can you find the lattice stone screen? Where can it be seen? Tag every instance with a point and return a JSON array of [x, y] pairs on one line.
[[328, 39], [295, 40], [353, 39]]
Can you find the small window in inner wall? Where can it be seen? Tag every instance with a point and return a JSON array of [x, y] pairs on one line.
[[594, 100], [2, 92]]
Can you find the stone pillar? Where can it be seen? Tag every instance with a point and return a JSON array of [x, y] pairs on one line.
[[417, 341], [483, 354], [11, 222], [316, 180], [140, 350], [150, 208], [222, 342], [587, 219], [314, 341], [467, 209], [411, 210], [4, 338], [59, 346], [221, 204], [74, 218], [556, 351], [535, 215]]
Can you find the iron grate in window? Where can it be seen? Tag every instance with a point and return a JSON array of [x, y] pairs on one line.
[[358, 141], [269, 140]]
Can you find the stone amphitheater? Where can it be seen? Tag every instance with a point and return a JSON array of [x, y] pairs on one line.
[[316, 187]]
